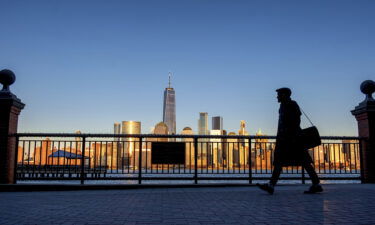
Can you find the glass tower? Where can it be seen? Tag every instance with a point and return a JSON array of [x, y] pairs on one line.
[[169, 108], [217, 123], [203, 123]]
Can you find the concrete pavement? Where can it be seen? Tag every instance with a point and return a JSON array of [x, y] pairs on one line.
[[339, 204]]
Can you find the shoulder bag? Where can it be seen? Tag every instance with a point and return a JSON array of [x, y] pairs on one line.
[[310, 137]]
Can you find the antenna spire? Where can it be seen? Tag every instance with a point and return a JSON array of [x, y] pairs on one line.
[[169, 81]]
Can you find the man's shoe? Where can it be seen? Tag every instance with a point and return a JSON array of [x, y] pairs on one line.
[[315, 188], [266, 187]]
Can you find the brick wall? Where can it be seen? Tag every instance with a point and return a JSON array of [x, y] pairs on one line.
[[366, 129], [8, 124]]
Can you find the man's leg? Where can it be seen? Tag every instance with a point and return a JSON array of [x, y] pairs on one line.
[[275, 174], [311, 171], [315, 187]]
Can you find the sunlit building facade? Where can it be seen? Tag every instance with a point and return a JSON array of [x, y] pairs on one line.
[[242, 130], [189, 147], [244, 145], [203, 146], [215, 153], [203, 123], [117, 130], [162, 129], [78, 141], [232, 159], [130, 144], [41, 153], [216, 150], [262, 152]]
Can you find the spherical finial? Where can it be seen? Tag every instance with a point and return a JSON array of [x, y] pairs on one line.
[[7, 78], [367, 88]]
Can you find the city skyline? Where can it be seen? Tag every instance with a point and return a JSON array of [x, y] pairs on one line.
[[93, 64], [169, 120], [168, 125], [187, 112]]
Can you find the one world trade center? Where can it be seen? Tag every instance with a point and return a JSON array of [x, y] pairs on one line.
[[169, 108]]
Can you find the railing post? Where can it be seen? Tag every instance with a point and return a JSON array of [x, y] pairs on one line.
[[195, 160], [361, 143], [365, 115], [16, 160], [10, 108], [303, 175], [250, 164], [140, 162], [83, 160]]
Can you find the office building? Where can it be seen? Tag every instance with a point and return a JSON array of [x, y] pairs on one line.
[[117, 130], [203, 123], [244, 144], [217, 123], [189, 147], [242, 130], [169, 108], [203, 147], [117, 145], [131, 144], [78, 143], [131, 127], [162, 129], [215, 153]]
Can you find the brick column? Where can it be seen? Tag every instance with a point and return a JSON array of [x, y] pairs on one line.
[[10, 108], [365, 115]]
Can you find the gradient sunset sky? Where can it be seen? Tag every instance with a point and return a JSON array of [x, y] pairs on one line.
[[83, 65]]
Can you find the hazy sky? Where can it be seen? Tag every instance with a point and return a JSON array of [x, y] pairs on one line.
[[83, 65]]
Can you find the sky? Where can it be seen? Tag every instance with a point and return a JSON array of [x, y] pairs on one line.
[[83, 65]]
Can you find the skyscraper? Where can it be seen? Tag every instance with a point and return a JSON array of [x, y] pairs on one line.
[[215, 147], [117, 130], [203, 158], [244, 144], [203, 123], [217, 123], [131, 144], [242, 130], [169, 108], [117, 146], [189, 147], [131, 127], [78, 142]]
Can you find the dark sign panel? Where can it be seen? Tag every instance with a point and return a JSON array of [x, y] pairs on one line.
[[168, 153]]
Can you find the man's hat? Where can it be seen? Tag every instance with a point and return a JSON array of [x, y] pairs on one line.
[[284, 90]]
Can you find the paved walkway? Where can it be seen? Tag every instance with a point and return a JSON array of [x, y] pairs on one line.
[[339, 204]]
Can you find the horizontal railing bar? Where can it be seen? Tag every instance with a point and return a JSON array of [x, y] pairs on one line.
[[166, 136], [184, 178]]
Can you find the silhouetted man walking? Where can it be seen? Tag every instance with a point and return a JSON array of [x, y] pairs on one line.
[[289, 150]]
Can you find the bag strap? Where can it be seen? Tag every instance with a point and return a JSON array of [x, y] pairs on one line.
[[307, 117]]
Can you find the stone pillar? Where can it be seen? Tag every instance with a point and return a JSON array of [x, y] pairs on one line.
[[10, 108], [365, 115]]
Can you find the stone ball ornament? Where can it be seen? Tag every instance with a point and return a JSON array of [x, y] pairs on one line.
[[7, 78], [368, 88]]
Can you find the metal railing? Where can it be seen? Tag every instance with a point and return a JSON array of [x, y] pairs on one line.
[[213, 157]]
